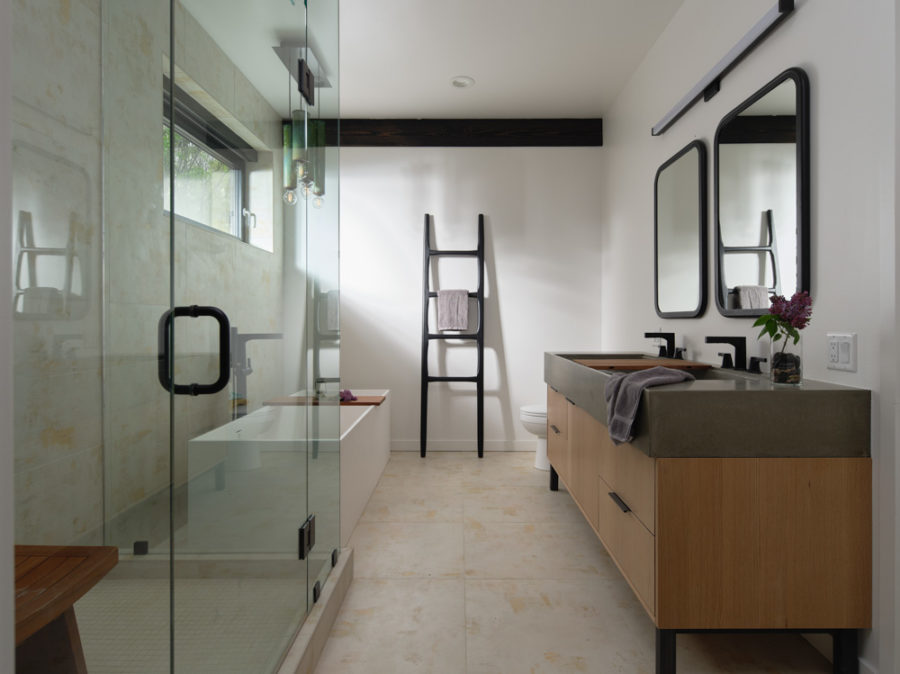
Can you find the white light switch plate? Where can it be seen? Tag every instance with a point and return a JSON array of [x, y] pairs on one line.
[[841, 351]]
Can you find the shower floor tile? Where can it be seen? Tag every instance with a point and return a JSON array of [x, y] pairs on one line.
[[228, 626], [535, 597]]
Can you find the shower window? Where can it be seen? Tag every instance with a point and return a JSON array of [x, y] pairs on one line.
[[208, 188], [210, 167]]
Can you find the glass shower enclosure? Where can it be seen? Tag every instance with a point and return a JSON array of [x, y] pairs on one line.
[[177, 334]]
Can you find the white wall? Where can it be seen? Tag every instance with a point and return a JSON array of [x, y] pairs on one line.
[[6, 378], [891, 614], [570, 238], [848, 51], [542, 242]]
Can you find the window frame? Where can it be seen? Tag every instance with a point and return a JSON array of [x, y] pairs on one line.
[[202, 128]]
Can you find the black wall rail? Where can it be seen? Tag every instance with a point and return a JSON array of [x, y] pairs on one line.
[[709, 85]]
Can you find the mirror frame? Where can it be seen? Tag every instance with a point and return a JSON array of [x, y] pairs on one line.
[[702, 196], [801, 82]]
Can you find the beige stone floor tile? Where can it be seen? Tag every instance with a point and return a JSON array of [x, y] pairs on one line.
[[407, 549], [563, 626], [521, 550], [438, 470], [507, 469], [399, 626], [556, 626], [445, 470], [413, 504], [519, 504], [539, 593]]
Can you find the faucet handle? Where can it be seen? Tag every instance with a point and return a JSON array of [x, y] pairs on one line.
[[740, 350], [679, 352], [754, 364], [727, 361], [666, 350]]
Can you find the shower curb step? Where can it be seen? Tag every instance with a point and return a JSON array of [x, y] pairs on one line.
[[211, 566], [304, 652]]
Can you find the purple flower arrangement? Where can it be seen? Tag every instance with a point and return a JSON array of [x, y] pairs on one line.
[[785, 320]]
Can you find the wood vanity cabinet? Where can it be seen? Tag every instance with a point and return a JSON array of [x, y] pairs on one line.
[[724, 543], [558, 433]]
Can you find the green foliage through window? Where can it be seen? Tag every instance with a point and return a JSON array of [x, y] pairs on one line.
[[207, 190]]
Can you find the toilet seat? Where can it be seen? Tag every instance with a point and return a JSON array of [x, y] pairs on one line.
[[537, 411]]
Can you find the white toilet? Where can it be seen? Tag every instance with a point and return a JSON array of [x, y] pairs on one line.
[[534, 419]]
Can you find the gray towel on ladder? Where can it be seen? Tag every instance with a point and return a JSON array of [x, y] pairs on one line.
[[453, 309], [623, 396]]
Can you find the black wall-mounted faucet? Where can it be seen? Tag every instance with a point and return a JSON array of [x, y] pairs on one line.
[[667, 351], [740, 351]]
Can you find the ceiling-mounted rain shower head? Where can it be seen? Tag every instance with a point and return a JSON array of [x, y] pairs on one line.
[[291, 53]]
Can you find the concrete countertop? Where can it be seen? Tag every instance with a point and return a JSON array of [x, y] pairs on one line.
[[727, 414]]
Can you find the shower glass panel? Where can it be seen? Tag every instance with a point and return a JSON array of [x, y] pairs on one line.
[[321, 262], [169, 177]]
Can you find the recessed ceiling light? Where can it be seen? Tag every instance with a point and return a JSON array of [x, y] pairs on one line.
[[462, 82]]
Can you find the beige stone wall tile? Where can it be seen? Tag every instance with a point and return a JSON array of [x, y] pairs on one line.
[[206, 64], [57, 66], [56, 417], [58, 502], [137, 455]]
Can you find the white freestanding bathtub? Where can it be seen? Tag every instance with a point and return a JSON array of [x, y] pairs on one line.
[[365, 435], [365, 450]]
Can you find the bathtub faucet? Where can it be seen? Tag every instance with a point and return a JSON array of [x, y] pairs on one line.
[[241, 366]]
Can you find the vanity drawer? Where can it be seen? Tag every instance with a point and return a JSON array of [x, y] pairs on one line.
[[632, 475], [585, 436], [558, 433], [629, 543]]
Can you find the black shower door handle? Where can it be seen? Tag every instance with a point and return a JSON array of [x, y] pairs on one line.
[[165, 353]]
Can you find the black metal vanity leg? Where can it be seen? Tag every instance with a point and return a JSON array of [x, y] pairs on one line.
[[665, 651], [845, 651], [554, 479]]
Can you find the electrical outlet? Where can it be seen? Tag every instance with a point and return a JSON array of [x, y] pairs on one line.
[[841, 354]]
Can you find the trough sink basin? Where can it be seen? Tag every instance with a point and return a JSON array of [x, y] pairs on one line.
[[723, 413]]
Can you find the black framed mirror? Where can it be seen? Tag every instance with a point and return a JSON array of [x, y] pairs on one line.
[[762, 197], [679, 235]]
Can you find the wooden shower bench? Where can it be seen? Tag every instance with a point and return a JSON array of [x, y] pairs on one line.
[[49, 580]]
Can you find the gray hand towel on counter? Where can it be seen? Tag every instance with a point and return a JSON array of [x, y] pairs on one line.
[[453, 309], [623, 396]]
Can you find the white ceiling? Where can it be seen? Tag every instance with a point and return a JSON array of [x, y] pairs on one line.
[[529, 58]]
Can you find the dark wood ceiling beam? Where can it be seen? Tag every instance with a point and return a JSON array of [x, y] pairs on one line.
[[471, 132]]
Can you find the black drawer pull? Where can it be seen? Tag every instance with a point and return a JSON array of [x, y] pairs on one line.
[[554, 429], [619, 502]]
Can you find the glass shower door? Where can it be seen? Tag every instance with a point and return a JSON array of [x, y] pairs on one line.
[[321, 261], [176, 317], [215, 254], [242, 538]]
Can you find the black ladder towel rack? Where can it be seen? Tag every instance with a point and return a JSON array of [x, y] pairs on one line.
[[770, 249], [477, 336]]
